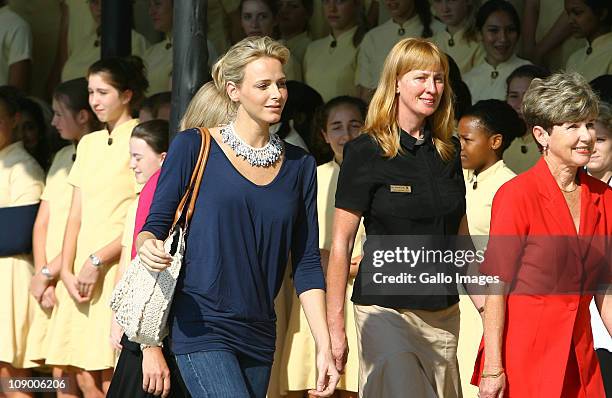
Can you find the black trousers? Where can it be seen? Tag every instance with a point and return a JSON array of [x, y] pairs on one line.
[[127, 379], [605, 363]]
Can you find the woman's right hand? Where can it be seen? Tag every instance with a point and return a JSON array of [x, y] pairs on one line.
[[153, 255], [155, 372], [339, 346], [492, 387]]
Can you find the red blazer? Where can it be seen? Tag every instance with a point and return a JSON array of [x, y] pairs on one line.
[[552, 272]]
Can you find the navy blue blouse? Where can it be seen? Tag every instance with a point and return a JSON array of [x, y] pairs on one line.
[[237, 247]]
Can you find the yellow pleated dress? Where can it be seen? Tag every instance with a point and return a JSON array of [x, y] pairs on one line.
[[21, 184], [58, 195], [79, 333], [330, 65], [298, 364]]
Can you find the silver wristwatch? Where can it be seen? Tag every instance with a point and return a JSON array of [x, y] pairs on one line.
[[46, 273], [95, 260]]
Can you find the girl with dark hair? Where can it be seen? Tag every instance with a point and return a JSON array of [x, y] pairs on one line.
[[72, 118], [498, 25], [339, 121], [409, 18], [33, 131], [330, 63], [591, 20], [523, 153], [21, 183], [293, 18], [485, 132], [103, 187], [459, 39], [258, 18]]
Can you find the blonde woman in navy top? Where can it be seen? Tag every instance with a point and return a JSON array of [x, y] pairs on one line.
[[257, 203]]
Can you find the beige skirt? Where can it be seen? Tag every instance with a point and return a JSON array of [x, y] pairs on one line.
[[410, 352]]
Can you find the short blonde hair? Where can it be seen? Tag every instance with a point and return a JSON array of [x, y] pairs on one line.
[[560, 98], [381, 122], [207, 108], [230, 67]]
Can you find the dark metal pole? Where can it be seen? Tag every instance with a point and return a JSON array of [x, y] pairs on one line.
[[189, 56], [116, 28]]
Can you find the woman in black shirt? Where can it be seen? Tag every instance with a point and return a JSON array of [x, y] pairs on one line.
[[403, 175]]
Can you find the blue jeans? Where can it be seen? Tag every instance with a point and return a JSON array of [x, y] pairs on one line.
[[223, 374]]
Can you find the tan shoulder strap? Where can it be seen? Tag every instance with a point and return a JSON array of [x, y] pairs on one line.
[[196, 179]]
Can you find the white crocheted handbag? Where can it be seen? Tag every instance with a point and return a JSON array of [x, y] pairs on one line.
[[142, 298]]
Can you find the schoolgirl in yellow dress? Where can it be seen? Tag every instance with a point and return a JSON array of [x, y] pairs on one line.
[[330, 63], [591, 20], [459, 38], [499, 25], [21, 183], [103, 188], [340, 121], [485, 131], [73, 118]]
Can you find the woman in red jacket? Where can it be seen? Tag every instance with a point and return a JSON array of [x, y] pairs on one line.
[[550, 245]]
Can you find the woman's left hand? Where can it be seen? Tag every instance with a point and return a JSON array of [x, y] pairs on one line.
[[155, 372], [492, 387], [327, 375], [87, 278]]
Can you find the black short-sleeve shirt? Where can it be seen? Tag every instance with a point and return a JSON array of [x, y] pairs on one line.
[[414, 193]]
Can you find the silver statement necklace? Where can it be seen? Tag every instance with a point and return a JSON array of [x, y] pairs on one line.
[[259, 157]]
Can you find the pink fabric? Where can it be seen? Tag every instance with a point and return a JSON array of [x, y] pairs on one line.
[[144, 204]]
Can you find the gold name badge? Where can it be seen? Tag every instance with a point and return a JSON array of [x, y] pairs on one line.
[[400, 188]]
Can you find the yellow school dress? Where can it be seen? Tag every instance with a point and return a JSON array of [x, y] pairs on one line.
[[331, 69], [81, 57], [594, 60], [78, 333], [58, 195], [297, 45], [522, 154], [298, 364], [466, 53], [556, 59], [480, 191], [21, 184], [158, 63], [489, 82], [378, 42]]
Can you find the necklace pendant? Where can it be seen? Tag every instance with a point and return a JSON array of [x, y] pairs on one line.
[[494, 74], [523, 148], [110, 141], [451, 42], [168, 46], [97, 43], [401, 31], [73, 157], [589, 50], [475, 185]]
